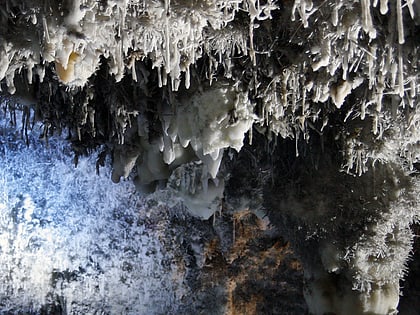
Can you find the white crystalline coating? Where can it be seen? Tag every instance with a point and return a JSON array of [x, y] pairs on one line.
[[413, 88], [257, 12], [204, 125], [363, 278], [384, 6], [62, 56], [213, 120], [211, 165], [305, 10], [65, 236], [340, 92], [325, 56], [173, 35], [170, 34], [410, 6], [400, 73], [400, 26], [371, 64], [367, 19], [168, 150], [334, 15], [28, 208], [172, 41]]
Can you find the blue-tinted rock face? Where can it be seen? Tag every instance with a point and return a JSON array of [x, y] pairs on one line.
[[72, 242]]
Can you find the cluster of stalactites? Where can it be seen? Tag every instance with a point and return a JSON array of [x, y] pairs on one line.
[[347, 47], [351, 50], [172, 34], [190, 149]]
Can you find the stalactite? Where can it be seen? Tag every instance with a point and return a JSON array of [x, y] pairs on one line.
[[400, 26]]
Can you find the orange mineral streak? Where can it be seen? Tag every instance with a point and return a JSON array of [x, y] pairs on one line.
[[254, 265], [66, 74]]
